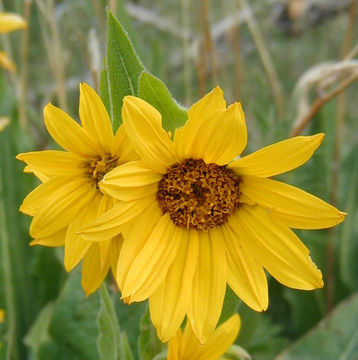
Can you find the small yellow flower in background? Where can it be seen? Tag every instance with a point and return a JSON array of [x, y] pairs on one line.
[[6, 63], [185, 346], [4, 121], [194, 218], [69, 195], [2, 316], [9, 22]]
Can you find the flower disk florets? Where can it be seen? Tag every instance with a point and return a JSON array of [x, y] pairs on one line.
[[199, 195], [100, 166]]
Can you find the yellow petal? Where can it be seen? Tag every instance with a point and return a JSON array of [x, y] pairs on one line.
[[169, 304], [68, 134], [115, 250], [62, 207], [294, 207], [6, 63], [112, 222], [174, 347], [278, 158], [54, 240], [143, 125], [246, 277], [185, 137], [223, 337], [54, 163], [11, 22], [135, 240], [277, 248], [190, 345], [130, 181], [151, 265], [94, 118], [209, 285], [75, 246], [93, 273], [134, 173], [104, 247], [223, 136], [40, 195], [122, 147], [105, 205], [130, 193], [42, 177]]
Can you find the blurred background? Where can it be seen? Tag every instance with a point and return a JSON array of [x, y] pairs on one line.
[[292, 64]]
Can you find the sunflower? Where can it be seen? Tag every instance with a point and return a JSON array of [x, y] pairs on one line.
[[185, 346], [195, 217], [69, 195], [9, 22]]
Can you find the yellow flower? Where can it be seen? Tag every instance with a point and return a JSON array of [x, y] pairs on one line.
[[4, 121], [186, 346], [69, 195], [9, 22], [2, 316], [199, 219]]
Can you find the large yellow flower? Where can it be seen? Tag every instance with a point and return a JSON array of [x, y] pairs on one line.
[[9, 22], [185, 346], [200, 218], [69, 195]]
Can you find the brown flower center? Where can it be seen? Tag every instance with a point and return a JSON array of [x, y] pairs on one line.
[[100, 166], [198, 195]]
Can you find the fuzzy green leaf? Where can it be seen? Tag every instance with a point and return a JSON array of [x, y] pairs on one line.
[[154, 91], [109, 334], [73, 327], [123, 69], [334, 338], [38, 333], [126, 353], [348, 245], [231, 305], [149, 344], [104, 87]]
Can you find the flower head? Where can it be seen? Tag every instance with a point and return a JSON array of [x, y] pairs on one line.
[[9, 22], [185, 346], [200, 218], [69, 195]]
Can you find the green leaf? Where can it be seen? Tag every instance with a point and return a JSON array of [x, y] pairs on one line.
[[348, 239], [109, 334], [123, 69], [334, 338], [153, 90], [231, 305], [149, 344], [305, 309], [259, 335], [129, 316], [126, 353], [73, 327], [104, 87], [38, 333]]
